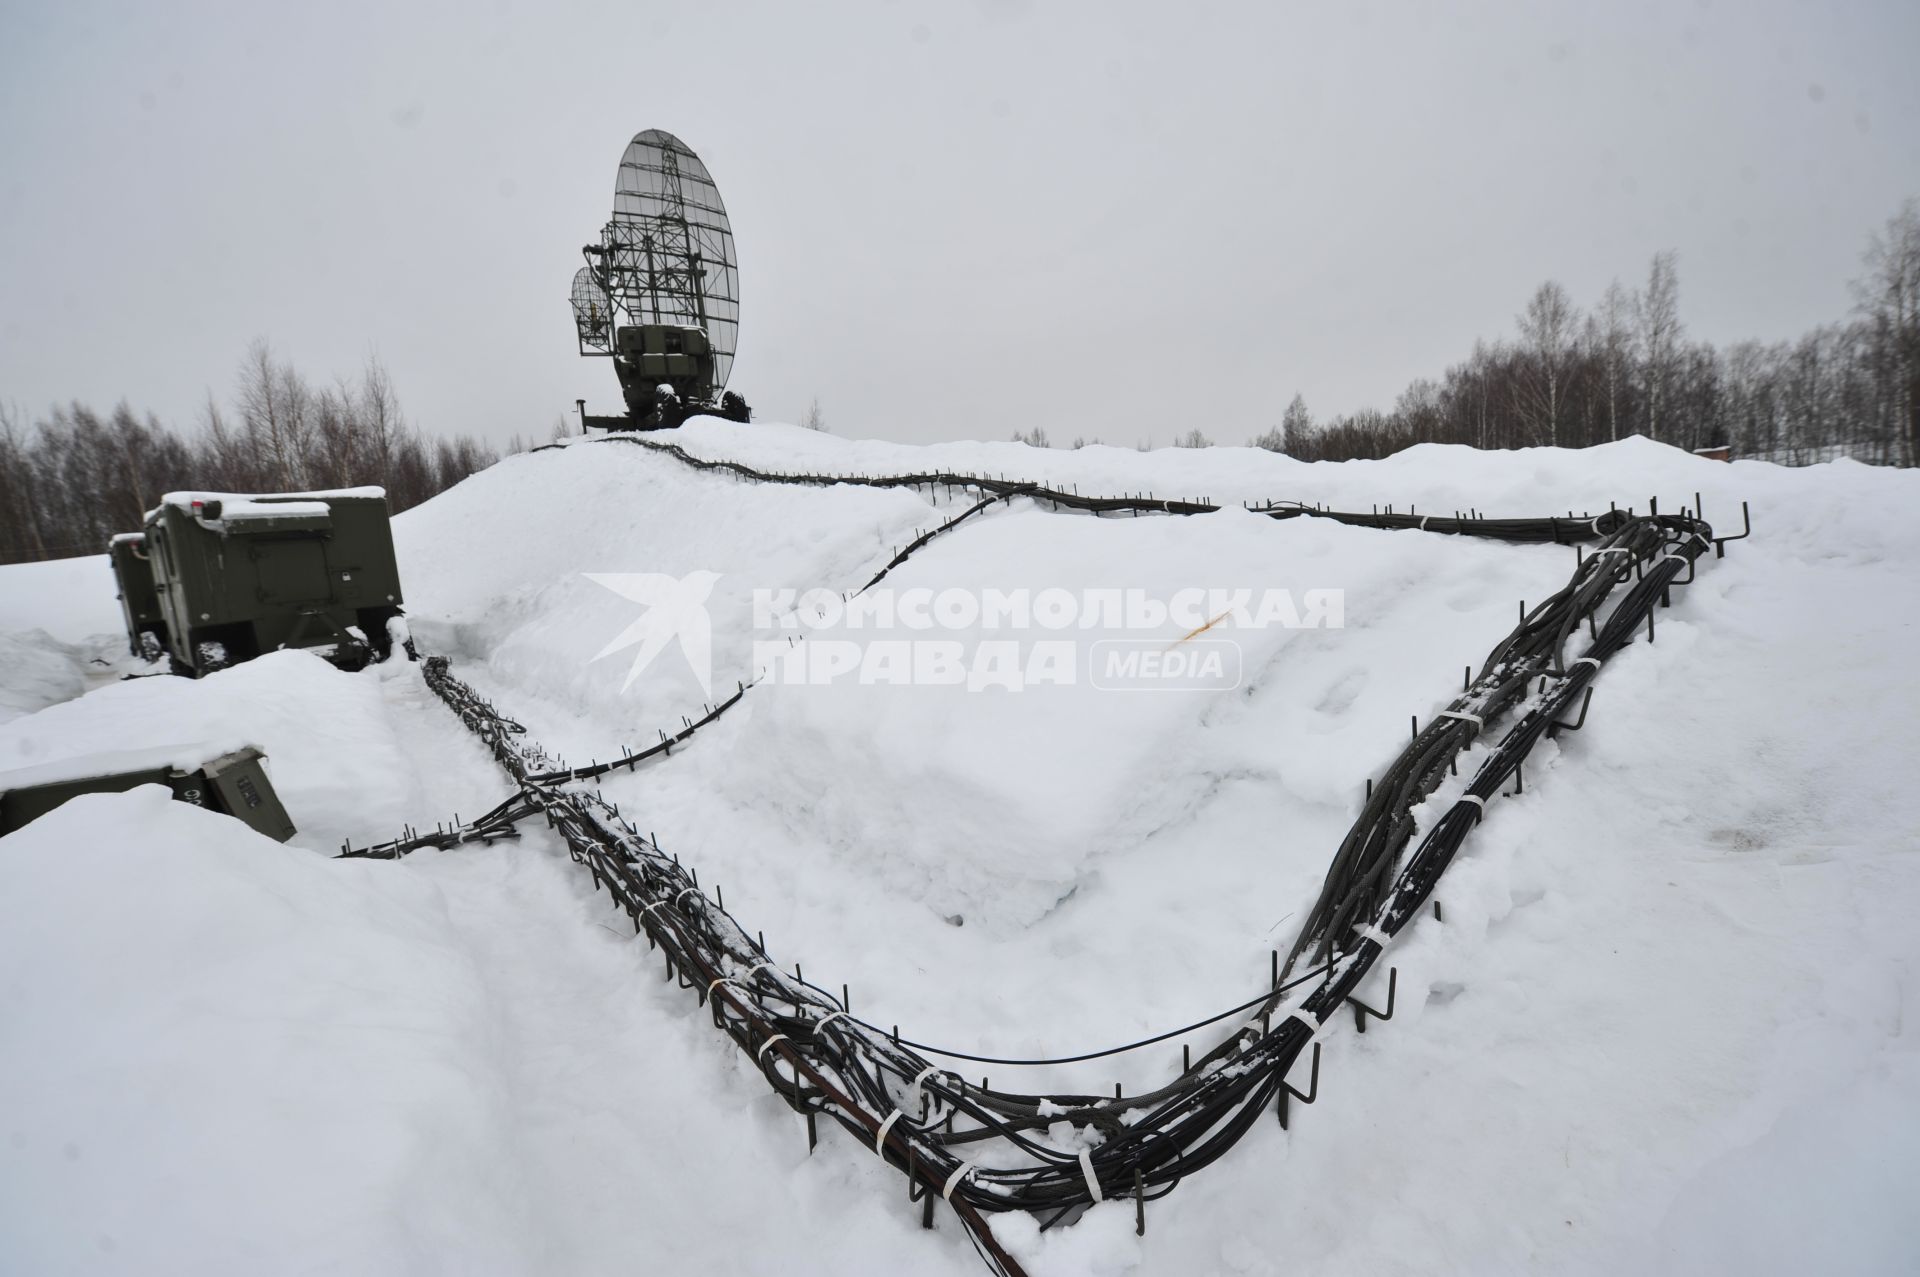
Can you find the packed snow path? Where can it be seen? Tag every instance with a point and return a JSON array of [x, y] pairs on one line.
[[1665, 1021]]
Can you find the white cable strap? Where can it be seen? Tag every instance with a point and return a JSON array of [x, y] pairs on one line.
[[921, 1077], [1477, 721], [1612, 549], [1305, 1017], [1373, 933], [880, 1138], [821, 1024], [1584, 660], [762, 1052], [658, 904], [757, 968], [683, 894], [1595, 525], [714, 984], [1093, 1181], [1682, 561], [960, 1172], [1423, 521], [1475, 799]]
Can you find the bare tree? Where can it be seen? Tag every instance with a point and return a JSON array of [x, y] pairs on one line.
[[274, 408], [20, 533], [1890, 297], [1547, 328], [814, 419], [1614, 345], [1657, 330]]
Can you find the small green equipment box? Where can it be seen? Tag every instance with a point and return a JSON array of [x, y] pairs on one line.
[[234, 784]]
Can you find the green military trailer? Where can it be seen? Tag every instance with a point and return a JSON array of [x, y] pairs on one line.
[[238, 576], [234, 783], [139, 601]]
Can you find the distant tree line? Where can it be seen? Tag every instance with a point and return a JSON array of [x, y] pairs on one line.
[[75, 477], [1626, 367]]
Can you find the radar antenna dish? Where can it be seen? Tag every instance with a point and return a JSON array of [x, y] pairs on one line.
[[660, 292], [592, 312]]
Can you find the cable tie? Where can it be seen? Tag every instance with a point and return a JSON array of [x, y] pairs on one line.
[[658, 904], [1423, 521], [1595, 524], [1475, 799], [1584, 660], [960, 1172], [880, 1137], [683, 894], [1372, 932], [820, 1025], [1305, 1017], [921, 1077], [1676, 558], [1612, 549], [1477, 721], [1093, 1181], [760, 1055], [713, 984]]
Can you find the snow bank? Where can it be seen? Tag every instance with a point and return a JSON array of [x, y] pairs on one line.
[[1665, 1024], [68, 599], [337, 761], [201, 1066]]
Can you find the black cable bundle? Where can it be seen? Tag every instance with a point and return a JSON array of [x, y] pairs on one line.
[[926, 1119]]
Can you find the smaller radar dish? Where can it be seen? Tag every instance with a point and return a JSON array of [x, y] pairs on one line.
[[592, 312]]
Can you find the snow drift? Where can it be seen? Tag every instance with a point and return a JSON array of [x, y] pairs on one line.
[[1692, 923]]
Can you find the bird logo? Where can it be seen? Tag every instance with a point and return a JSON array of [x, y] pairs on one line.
[[676, 611]]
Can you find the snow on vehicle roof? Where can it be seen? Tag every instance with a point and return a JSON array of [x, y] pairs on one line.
[[243, 509], [185, 757], [230, 501]]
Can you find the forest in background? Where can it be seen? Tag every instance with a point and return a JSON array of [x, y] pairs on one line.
[[1567, 378], [1572, 379], [75, 477]]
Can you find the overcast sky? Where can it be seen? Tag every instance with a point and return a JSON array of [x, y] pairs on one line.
[[952, 220]]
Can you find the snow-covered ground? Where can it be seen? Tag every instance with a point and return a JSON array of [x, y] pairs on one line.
[[1665, 1023]]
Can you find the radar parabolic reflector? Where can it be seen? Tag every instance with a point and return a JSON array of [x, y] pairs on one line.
[[592, 314], [667, 255]]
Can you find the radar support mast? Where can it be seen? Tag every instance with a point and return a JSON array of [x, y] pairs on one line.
[[660, 294]]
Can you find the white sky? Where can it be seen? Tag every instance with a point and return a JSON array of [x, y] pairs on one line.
[[952, 220]]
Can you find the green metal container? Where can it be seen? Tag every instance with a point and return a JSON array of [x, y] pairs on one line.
[[235, 784], [237, 576], [139, 601]]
